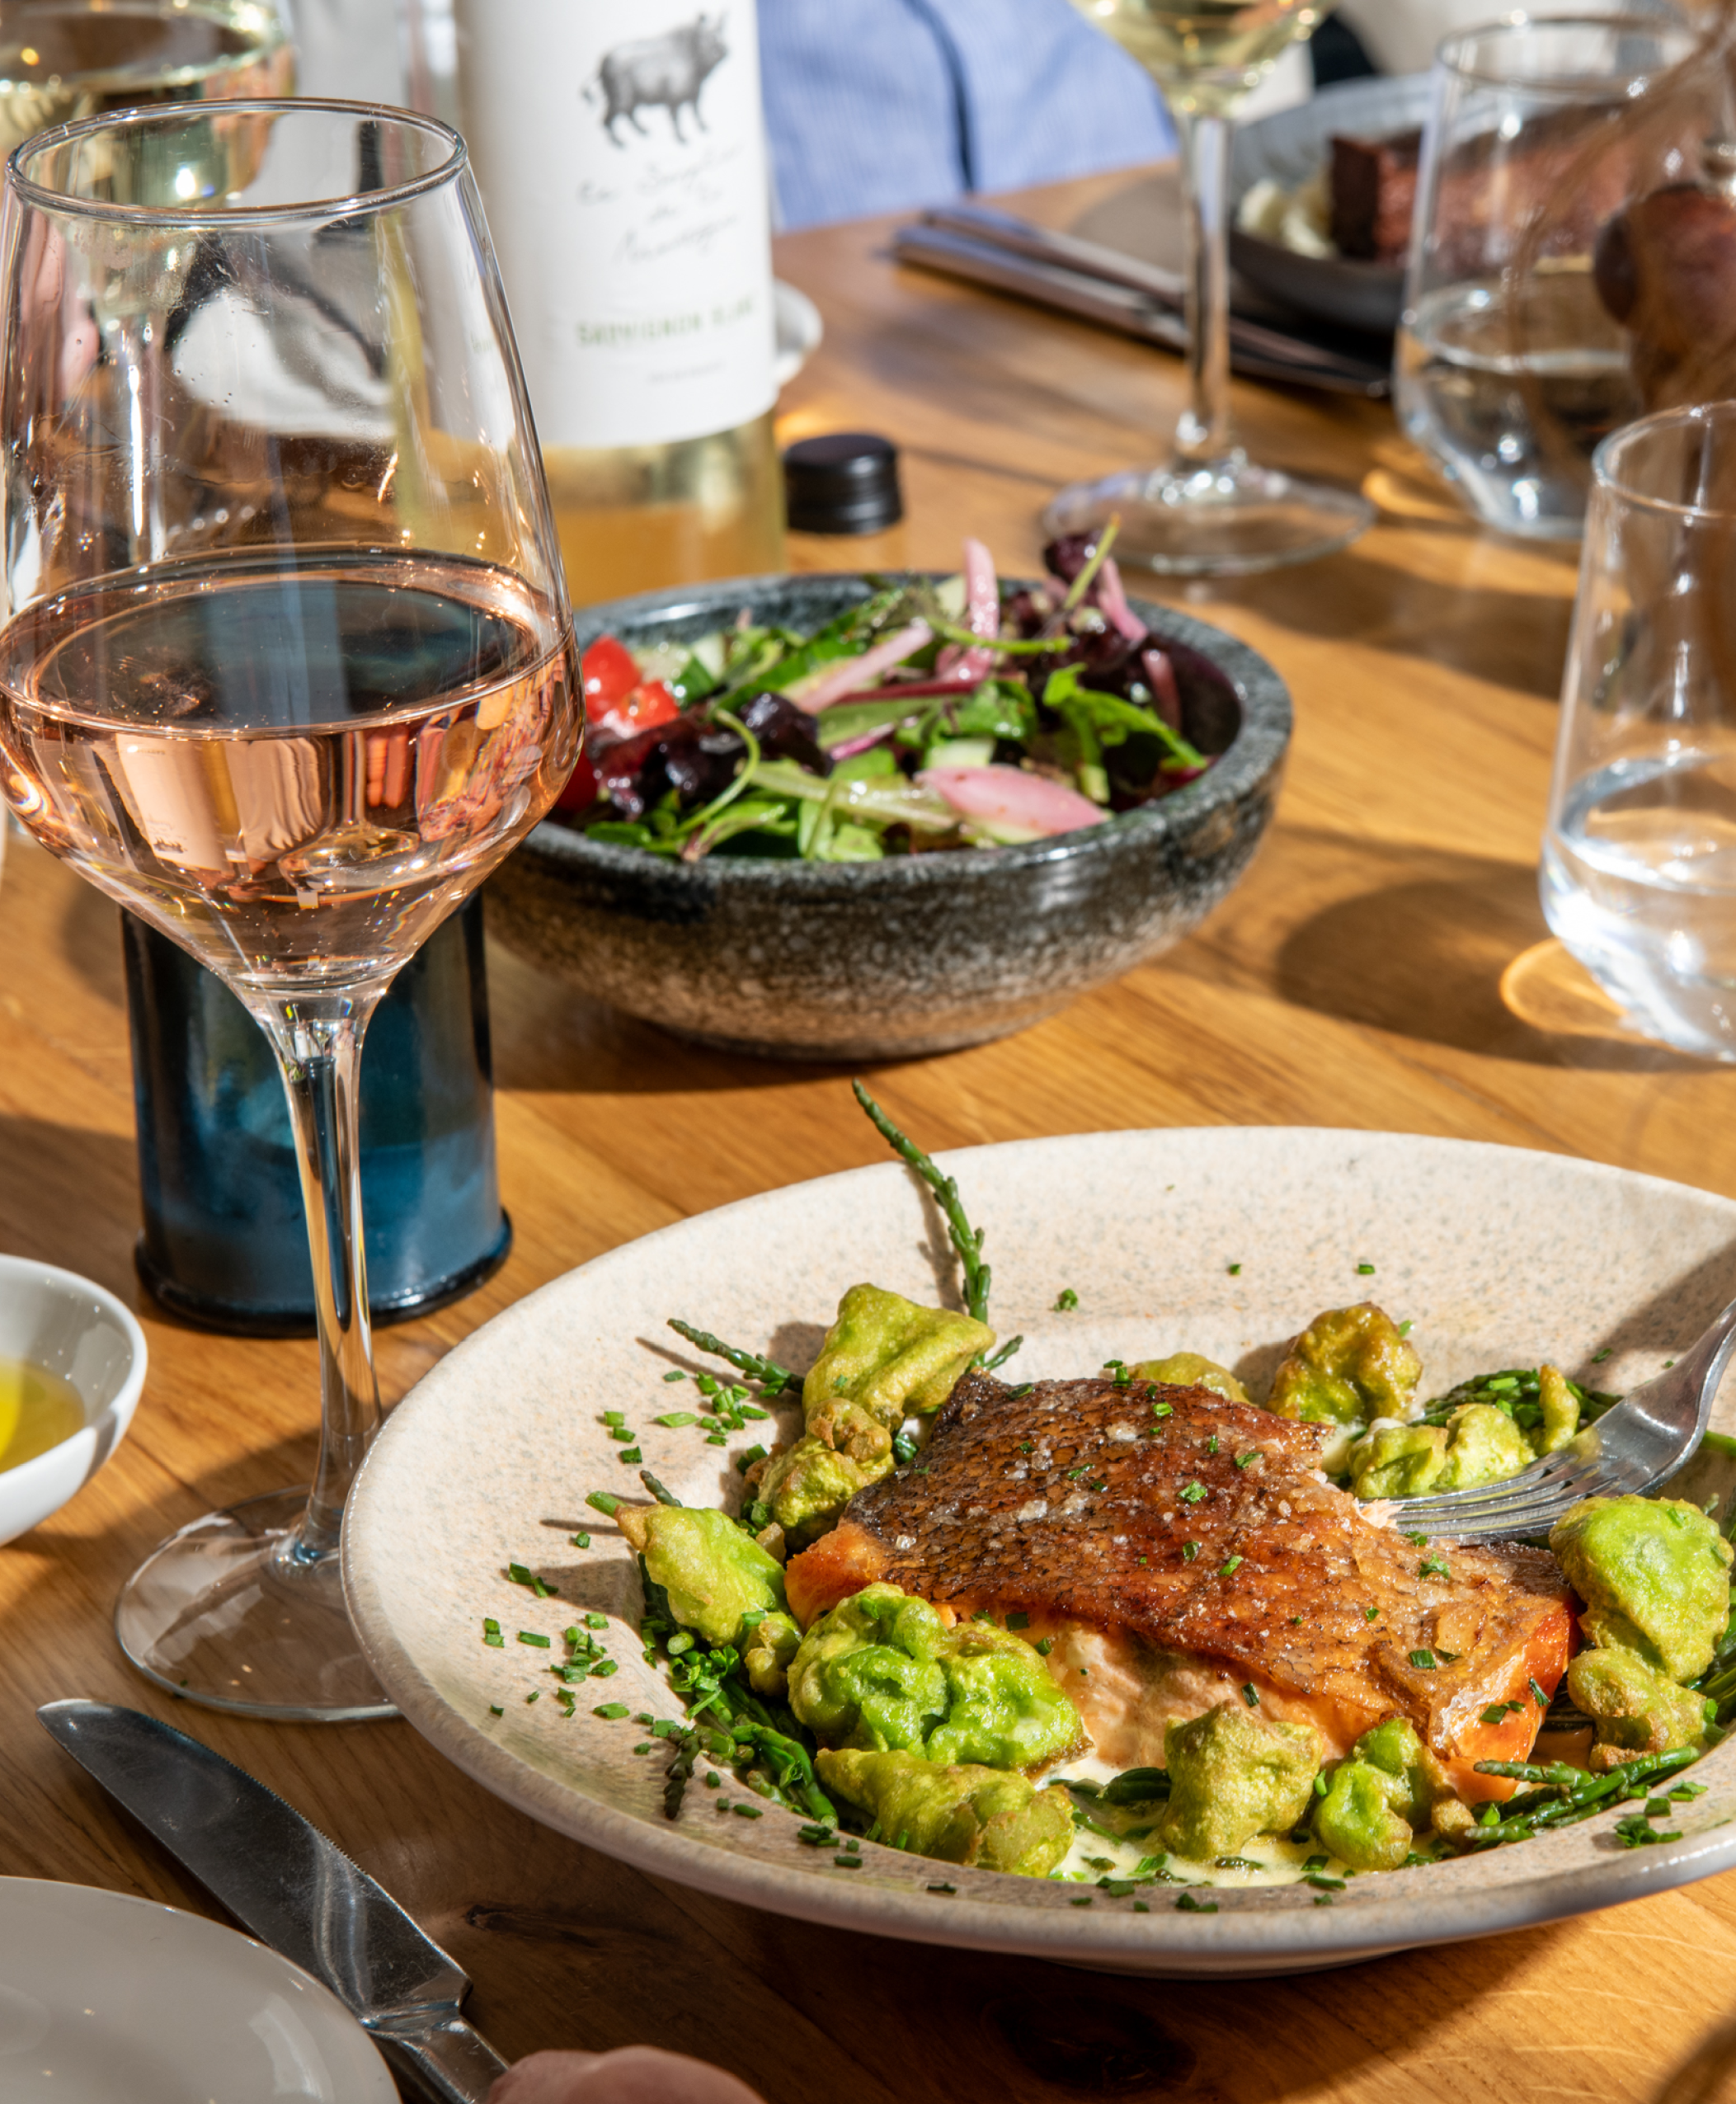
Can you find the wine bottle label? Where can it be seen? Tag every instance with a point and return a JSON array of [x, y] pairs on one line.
[[621, 154]]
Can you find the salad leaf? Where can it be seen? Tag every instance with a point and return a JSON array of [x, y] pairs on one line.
[[1105, 719]]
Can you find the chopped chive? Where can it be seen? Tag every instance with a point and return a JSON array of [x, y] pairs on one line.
[[631, 1456], [1323, 1884], [1435, 1565], [1364, 1271], [1404, 1330], [1084, 1901], [580, 1541], [610, 1710], [1424, 1661], [847, 1862], [1192, 1493], [1538, 1696], [943, 1888], [491, 1632], [1066, 1301], [747, 1811], [1045, 1644], [495, 1710], [1212, 1444], [532, 1695], [1369, 1614], [1250, 1695], [675, 1373], [530, 1636], [602, 1501], [605, 1669], [1229, 1565], [596, 1621], [1162, 1410], [1248, 1460], [676, 1420], [1186, 1904], [1190, 1550], [1598, 1358], [1235, 1270], [615, 1417]]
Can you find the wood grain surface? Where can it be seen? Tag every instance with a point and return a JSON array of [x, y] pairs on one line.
[[1384, 965]]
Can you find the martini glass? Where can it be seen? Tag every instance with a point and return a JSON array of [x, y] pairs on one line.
[[287, 669], [1210, 510]]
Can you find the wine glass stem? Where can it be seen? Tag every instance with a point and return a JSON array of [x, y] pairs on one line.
[[1203, 436], [318, 1046]]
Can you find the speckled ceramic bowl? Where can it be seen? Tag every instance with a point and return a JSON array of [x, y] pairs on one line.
[[813, 960]]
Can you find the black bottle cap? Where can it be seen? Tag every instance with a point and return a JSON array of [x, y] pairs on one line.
[[845, 483]]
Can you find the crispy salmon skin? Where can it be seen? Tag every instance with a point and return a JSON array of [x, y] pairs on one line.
[[1203, 1529]]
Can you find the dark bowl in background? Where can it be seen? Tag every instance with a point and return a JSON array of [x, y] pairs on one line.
[[918, 953]]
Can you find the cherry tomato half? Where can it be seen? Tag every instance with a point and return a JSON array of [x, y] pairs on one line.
[[617, 701], [609, 674]]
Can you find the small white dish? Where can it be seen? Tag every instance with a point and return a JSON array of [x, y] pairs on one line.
[[1223, 1241], [798, 327], [107, 1999], [67, 1325]]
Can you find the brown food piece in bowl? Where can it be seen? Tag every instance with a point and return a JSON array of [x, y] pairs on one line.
[[1374, 189]]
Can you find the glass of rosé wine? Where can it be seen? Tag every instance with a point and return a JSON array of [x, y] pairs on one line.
[[286, 668]]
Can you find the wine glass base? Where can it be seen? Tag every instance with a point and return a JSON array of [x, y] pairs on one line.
[[1228, 519], [227, 1613]]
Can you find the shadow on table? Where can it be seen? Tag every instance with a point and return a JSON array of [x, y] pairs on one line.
[[70, 1196], [1708, 2076], [548, 1037], [1451, 949], [1484, 628]]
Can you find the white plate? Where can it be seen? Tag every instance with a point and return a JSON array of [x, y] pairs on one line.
[[69, 1326], [1500, 1257], [798, 328], [106, 1999]]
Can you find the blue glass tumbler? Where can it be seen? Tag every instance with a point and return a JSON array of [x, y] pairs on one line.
[[225, 1241]]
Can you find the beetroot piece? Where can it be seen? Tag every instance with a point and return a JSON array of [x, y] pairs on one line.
[[784, 731], [635, 774]]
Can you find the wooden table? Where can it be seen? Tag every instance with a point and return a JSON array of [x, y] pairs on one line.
[[1384, 965]]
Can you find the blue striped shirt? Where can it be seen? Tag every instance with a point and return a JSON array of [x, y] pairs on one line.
[[882, 105]]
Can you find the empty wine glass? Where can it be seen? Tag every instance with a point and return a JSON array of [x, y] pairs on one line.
[[1209, 511], [287, 668]]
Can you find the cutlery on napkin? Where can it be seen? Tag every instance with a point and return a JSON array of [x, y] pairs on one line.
[[1105, 284], [286, 1884]]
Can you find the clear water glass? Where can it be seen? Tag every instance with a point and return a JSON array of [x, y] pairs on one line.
[[1639, 876], [1509, 371]]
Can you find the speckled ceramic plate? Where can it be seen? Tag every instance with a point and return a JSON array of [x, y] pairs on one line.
[[1497, 1256]]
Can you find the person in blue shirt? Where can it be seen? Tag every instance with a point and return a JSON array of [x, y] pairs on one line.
[[882, 105], [886, 105]]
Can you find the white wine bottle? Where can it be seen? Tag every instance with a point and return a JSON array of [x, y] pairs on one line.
[[621, 154]]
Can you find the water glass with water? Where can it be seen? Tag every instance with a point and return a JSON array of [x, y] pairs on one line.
[[1639, 876], [1509, 371]]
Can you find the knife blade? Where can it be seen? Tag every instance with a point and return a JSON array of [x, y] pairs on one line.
[[280, 1876]]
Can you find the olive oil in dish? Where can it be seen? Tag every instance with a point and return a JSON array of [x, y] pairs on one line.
[[38, 1409]]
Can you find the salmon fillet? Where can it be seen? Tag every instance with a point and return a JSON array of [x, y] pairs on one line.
[[1192, 1545]]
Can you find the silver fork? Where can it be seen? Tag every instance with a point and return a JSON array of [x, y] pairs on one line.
[[1639, 1444]]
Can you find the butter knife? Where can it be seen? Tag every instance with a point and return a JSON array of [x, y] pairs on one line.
[[1101, 284], [293, 1888]]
